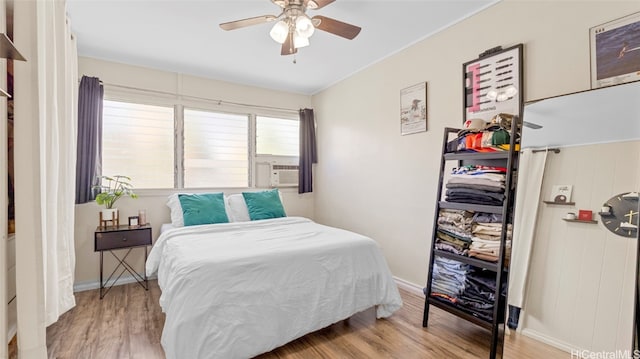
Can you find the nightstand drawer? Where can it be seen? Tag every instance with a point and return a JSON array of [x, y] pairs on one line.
[[122, 239]]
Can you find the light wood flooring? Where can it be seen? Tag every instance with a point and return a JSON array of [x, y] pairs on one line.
[[128, 322]]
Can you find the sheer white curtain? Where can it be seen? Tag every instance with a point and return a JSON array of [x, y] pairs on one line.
[[530, 175], [57, 100]]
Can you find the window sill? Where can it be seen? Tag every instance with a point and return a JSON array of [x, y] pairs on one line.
[[166, 192]]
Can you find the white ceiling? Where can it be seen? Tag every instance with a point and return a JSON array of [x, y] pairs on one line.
[[184, 37]]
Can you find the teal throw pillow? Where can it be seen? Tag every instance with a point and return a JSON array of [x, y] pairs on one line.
[[264, 205], [205, 208]]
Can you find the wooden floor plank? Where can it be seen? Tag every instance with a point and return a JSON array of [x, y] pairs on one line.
[[128, 323]]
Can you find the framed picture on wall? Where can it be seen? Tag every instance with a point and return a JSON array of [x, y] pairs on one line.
[[615, 51], [561, 193], [413, 109], [492, 84]]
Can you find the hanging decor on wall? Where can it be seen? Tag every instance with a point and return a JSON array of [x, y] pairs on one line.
[[492, 84], [413, 109], [615, 51], [561, 193], [620, 214]]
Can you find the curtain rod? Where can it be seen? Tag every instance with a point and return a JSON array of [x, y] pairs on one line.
[[219, 102], [554, 150]]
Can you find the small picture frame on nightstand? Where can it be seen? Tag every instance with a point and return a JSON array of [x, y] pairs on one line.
[[133, 221]]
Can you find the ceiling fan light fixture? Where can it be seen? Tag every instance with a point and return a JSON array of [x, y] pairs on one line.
[[293, 28], [279, 32], [304, 27], [300, 41]]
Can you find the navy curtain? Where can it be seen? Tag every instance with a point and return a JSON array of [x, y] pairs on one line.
[[89, 161], [308, 152]]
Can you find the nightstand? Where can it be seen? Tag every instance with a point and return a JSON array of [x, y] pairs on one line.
[[122, 237]]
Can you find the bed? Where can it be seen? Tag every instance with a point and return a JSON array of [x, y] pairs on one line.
[[236, 290]]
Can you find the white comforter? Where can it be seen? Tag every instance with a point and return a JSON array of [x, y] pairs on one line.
[[240, 289]]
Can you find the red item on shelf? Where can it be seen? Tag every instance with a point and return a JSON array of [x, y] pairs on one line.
[[584, 215]]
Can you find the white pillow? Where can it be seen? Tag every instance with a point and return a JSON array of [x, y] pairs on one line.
[[237, 208], [177, 217]]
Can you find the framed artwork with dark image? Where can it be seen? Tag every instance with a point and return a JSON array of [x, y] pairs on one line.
[[615, 51], [133, 221], [413, 109]]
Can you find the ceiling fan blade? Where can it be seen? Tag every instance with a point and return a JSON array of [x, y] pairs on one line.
[[317, 4], [531, 125], [281, 3], [287, 46], [232, 25], [335, 27]]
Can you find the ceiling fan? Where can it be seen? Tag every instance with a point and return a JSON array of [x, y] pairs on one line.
[[294, 27]]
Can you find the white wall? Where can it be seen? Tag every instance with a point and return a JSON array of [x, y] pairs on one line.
[[153, 201], [580, 291], [372, 180]]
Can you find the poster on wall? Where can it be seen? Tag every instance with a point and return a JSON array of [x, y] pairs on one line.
[[492, 84], [413, 109], [615, 51]]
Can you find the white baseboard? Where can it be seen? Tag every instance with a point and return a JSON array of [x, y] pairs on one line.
[[408, 286], [90, 285], [549, 340]]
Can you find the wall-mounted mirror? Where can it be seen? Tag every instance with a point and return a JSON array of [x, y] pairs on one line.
[[579, 293]]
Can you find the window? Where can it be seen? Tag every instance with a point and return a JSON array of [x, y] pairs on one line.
[[216, 151], [277, 136], [176, 147], [137, 141]]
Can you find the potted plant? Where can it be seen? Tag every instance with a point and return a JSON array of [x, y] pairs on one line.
[[111, 190]]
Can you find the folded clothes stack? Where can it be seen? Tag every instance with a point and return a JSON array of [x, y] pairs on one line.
[[469, 288], [487, 228], [485, 243], [448, 278], [478, 296], [477, 184], [454, 231], [471, 234]]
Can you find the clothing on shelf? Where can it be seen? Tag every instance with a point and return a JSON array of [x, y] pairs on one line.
[[475, 184], [456, 244], [454, 231], [485, 243], [449, 277], [471, 234], [479, 294], [468, 288], [481, 217]]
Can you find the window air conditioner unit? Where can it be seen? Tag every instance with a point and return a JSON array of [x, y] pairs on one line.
[[284, 175]]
